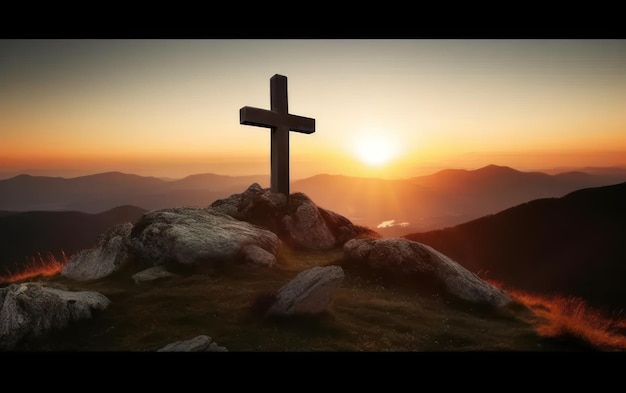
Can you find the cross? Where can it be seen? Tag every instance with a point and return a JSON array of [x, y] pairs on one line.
[[280, 122]]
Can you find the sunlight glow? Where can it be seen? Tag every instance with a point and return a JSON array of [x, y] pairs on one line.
[[375, 149]]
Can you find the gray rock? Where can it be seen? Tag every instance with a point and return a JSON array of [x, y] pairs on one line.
[[255, 255], [309, 292], [406, 257], [299, 222], [109, 256], [151, 274], [307, 228], [343, 229], [202, 343], [31, 310], [199, 236], [255, 205]]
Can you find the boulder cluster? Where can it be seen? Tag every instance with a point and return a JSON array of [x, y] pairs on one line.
[[249, 229]]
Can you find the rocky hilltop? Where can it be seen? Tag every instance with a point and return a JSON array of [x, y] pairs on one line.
[[250, 230]]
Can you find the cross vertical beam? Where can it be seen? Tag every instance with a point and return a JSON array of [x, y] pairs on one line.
[[281, 123], [279, 179]]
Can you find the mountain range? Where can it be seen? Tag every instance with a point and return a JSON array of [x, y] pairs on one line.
[[573, 245], [103, 191], [445, 198]]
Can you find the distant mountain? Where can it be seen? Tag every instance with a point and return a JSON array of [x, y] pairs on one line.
[[24, 234], [446, 198], [573, 245], [99, 192]]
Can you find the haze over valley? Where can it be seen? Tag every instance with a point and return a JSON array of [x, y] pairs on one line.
[[393, 206]]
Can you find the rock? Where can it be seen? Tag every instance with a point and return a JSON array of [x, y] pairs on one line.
[[306, 227], [309, 292], [255, 205], [109, 256], [151, 274], [202, 343], [404, 258], [199, 236], [343, 229], [256, 255], [298, 222], [31, 310]]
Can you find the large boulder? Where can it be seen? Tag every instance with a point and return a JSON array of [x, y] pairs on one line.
[[31, 309], [110, 255], [309, 292], [406, 258], [199, 236], [297, 220]]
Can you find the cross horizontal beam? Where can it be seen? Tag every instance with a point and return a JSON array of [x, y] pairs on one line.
[[264, 118]]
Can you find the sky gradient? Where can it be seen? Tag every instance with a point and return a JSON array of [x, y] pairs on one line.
[[170, 108]]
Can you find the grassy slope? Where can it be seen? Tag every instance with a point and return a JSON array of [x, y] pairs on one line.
[[366, 314], [572, 245]]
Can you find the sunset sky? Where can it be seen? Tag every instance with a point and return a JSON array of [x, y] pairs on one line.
[[392, 108]]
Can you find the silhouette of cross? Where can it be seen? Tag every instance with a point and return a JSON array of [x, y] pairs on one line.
[[280, 122]]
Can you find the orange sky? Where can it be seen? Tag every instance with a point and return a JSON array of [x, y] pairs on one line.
[[383, 108]]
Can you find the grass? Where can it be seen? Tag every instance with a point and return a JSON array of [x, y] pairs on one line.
[[366, 314], [569, 318], [37, 266]]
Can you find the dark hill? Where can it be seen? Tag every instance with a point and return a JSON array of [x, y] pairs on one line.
[[24, 234], [572, 245]]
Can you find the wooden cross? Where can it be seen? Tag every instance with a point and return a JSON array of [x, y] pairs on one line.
[[280, 122]]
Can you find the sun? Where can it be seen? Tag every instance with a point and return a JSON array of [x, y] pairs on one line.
[[375, 149]]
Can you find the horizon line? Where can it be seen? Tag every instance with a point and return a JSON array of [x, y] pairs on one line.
[[549, 171]]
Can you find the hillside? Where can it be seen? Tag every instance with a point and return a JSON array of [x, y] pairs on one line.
[[25, 234], [367, 314], [573, 245]]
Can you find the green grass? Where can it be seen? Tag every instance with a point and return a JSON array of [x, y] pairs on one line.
[[367, 313]]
